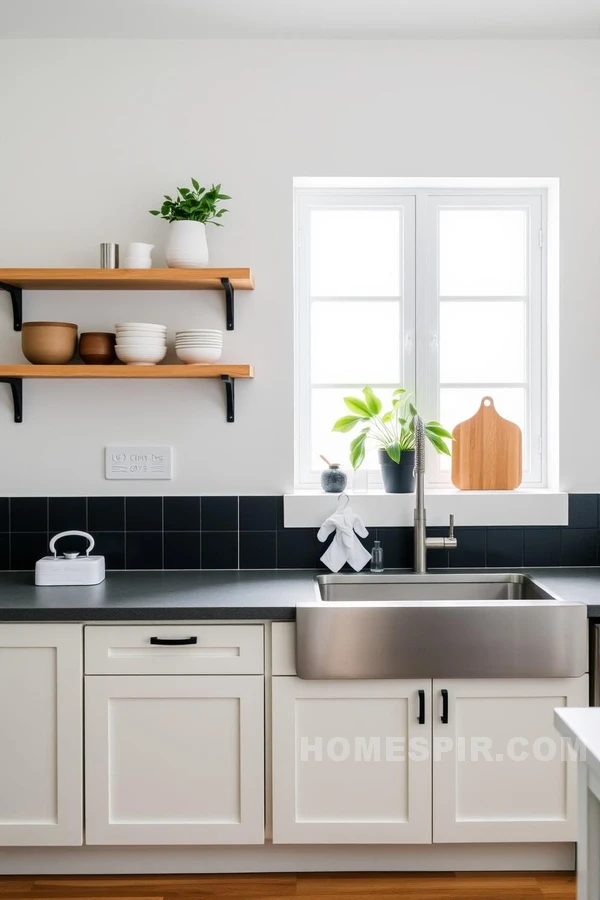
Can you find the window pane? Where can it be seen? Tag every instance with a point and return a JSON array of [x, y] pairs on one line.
[[458, 404], [482, 341], [355, 342], [328, 406], [355, 253], [483, 253]]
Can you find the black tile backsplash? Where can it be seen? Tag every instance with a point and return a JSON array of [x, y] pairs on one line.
[[258, 549], [219, 550], [143, 550], [182, 514], [29, 514], [504, 547], [67, 514], [182, 550], [248, 533], [144, 514], [219, 513], [106, 514]]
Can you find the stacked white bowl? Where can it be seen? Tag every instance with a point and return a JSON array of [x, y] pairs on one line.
[[141, 343], [199, 346]]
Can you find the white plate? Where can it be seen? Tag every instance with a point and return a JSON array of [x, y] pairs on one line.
[[200, 331], [147, 326]]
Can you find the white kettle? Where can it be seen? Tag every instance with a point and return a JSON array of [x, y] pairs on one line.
[[70, 568]]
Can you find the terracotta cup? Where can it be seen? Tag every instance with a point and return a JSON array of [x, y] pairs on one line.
[[49, 343], [97, 348]]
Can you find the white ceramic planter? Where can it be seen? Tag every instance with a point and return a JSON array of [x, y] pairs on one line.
[[187, 247]]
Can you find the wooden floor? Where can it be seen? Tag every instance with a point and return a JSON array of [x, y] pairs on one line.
[[445, 886]]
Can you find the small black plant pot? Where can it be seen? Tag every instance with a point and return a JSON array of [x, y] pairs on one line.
[[398, 478]]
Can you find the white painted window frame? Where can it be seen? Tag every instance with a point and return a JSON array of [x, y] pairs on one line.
[[359, 198], [420, 312]]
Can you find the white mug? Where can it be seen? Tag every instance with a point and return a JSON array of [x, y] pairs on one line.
[[138, 256]]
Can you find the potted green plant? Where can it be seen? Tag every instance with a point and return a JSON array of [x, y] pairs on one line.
[[188, 214], [394, 434]]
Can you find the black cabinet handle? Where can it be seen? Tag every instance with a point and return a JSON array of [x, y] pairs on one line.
[[421, 716], [444, 706], [173, 642]]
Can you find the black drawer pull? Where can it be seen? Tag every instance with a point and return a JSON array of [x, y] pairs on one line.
[[444, 706], [173, 642], [421, 716]]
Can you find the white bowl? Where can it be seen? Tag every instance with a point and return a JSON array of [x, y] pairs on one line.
[[198, 355], [141, 339], [199, 346], [146, 326], [200, 331], [153, 335], [141, 356]]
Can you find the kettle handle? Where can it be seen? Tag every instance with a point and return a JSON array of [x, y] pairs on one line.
[[77, 534]]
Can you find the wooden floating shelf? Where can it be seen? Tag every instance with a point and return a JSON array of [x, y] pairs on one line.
[[15, 281], [13, 375], [119, 371], [127, 279]]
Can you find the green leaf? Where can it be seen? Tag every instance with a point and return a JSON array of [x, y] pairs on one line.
[[196, 184], [439, 430], [154, 212], [346, 423], [412, 410], [224, 197], [357, 451], [439, 444], [358, 407], [373, 402], [386, 417], [399, 391], [394, 451]]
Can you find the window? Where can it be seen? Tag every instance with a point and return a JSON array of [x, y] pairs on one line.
[[440, 291]]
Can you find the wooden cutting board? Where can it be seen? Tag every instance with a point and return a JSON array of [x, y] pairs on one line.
[[487, 452]]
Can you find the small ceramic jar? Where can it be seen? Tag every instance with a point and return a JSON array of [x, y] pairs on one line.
[[333, 480]]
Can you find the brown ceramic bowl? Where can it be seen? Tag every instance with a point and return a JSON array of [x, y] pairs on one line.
[[97, 348], [49, 343]]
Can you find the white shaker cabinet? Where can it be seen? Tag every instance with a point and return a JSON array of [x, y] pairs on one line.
[[41, 721], [341, 768], [499, 771], [174, 759]]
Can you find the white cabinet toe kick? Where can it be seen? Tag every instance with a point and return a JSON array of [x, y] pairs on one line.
[[203, 734]]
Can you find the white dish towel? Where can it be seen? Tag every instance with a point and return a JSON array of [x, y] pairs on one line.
[[345, 546]]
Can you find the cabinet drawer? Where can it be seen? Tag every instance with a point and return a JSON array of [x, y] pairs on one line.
[[174, 650]]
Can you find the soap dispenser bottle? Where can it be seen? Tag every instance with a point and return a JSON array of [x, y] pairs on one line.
[[377, 557]]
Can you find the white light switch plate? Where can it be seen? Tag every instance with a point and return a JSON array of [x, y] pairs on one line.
[[138, 463]]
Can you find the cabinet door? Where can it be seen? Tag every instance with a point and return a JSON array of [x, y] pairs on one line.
[[41, 734], [174, 759], [500, 769], [351, 761]]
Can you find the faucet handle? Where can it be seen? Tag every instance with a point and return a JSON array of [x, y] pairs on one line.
[[451, 527]]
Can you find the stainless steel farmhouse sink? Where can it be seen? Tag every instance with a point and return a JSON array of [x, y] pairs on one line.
[[480, 588], [439, 625]]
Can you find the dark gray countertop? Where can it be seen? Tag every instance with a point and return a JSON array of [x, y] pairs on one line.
[[212, 595]]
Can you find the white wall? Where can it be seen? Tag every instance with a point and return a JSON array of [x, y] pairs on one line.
[[93, 133]]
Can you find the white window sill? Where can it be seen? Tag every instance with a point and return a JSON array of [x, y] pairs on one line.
[[308, 509]]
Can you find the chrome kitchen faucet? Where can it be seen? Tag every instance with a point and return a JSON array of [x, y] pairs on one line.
[[422, 542]]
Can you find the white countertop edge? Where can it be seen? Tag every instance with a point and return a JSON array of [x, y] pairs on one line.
[[308, 509], [582, 725]]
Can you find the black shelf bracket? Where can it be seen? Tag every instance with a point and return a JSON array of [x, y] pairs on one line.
[[16, 295], [229, 297], [229, 396], [16, 386]]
